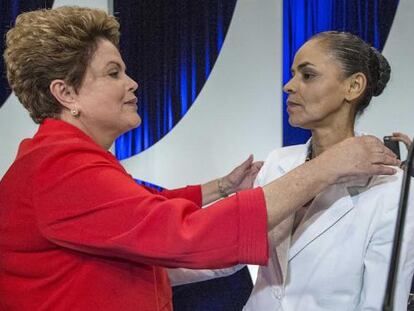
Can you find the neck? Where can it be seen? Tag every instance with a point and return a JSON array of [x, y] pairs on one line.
[[324, 138], [104, 140]]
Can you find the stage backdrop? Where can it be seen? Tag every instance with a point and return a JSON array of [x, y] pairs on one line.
[[234, 114], [238, 110]]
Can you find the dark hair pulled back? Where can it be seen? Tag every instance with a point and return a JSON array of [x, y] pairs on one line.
[[355, 55]]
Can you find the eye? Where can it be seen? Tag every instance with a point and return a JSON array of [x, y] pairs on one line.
[[114, 74], [308, 76]]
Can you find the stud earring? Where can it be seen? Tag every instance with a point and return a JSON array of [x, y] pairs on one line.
[[75, 112]]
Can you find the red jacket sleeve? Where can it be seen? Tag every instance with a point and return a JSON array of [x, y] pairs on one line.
[[85, 201], [192, 193]]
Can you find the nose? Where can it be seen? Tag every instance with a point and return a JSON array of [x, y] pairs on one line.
[[133, 85], [289, 86]]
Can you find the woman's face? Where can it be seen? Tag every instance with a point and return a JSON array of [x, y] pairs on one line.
[[316, 91], [106, 98]]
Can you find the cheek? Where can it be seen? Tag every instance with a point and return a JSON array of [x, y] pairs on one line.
[[109, 91], [110, 100], [314, 100], [324, 98]]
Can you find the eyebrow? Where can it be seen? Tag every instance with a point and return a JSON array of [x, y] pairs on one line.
[[114, 63], [303, 65]]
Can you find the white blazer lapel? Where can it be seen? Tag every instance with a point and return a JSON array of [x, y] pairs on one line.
[[281, 235], [326, 209], [280, 238], [292, 160]]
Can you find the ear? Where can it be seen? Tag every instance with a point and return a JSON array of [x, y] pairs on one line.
[[63, 93], [357, 84]]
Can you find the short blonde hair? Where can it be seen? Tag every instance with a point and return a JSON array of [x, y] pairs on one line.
[[50, 44]]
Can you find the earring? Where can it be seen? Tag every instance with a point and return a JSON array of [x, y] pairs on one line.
[[75, 112]]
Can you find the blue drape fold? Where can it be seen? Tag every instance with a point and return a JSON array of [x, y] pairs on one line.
[[170, 49]]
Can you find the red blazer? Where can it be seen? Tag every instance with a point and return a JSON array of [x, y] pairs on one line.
[[77, 232]]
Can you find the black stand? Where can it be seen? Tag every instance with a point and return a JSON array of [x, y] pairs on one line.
[[399, 229]]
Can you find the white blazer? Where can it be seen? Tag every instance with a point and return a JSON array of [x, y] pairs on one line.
[[338, 257]]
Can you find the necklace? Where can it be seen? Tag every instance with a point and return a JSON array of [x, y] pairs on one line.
[[309, 154]]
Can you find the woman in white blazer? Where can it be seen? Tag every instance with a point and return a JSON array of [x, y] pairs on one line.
[[334, 253]]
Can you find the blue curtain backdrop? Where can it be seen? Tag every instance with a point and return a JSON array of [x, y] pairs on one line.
[[170, 47], [8, 12], [371, 20]]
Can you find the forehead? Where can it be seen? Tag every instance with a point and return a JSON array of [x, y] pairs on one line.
[[316, 53], [105, 53]]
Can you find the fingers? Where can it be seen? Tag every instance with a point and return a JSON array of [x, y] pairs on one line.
[[402, 138], [374, 169], [246, 163], [385, 159], [257, 165], [397, 134], [400, 135], [362, 156], [256, 168], [252, 176], [242, 168], [380, 153], [381, 158], [383, 150], [388, 153], [383, 170]]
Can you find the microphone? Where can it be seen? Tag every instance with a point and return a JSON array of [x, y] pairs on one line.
[[388, 304]]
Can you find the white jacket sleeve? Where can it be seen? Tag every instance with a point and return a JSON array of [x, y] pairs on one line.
[[182, 276], [378, 255]]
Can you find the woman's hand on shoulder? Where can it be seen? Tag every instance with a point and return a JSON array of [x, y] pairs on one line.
[[356, 157]]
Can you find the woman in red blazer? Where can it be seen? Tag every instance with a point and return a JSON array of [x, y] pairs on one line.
[[76, 231]]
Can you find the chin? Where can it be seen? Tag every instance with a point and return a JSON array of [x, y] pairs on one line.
[[298, 123], [130, 124], [134, 121], [137, 122], [293, 122]]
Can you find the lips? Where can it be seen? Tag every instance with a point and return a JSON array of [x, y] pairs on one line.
[[133, 101], [291, 105]]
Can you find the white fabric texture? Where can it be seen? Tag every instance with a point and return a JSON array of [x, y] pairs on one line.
[[338, 257]]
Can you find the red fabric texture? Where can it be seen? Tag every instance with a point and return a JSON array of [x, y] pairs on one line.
[[77, 232]]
